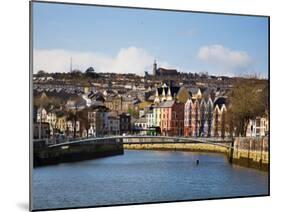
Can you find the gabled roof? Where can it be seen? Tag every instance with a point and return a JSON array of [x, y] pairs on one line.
[[62, 94], [96, 96], [192, 91], [209, 93], [174, 90]]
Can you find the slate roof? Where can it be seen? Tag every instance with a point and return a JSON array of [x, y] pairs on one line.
[[166, 104], [96, 96], [193, 90], [62, 94], [164, 71]]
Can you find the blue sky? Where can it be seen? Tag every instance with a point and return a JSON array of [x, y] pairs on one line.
[[128, 40]]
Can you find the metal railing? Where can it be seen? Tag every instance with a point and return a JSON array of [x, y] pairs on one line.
[[164, 139]]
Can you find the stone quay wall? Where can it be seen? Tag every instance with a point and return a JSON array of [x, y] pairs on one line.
[[194, 147], [251, 152], [247, 152]]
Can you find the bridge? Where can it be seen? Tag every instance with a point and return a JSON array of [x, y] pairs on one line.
[[145, 139], [45, 153]]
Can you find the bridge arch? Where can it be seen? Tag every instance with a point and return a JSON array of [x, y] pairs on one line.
[[157, 140]]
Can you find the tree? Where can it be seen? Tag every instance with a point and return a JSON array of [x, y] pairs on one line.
[[90, 72], [223, 128], [76, 75], [230, 122], [247, 100], [72, 116], [84, 121], [133, 113], [202, 119], [47, 102], [41, 73]]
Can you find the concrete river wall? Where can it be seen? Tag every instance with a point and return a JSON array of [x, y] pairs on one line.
[[251, 152], [43, 155]]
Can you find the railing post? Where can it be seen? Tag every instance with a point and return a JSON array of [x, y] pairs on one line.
[[249, 151]]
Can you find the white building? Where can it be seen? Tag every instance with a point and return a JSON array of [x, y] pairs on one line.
[[47, 117], [257, 127], [52, 120], [140, 126], [41, 115], [149, 118]]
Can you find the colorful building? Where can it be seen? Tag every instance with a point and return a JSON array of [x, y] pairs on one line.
[[171, 114], [169, 92], [198, 117], [219, 117]]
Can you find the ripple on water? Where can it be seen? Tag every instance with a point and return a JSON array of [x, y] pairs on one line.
[[143, 176]]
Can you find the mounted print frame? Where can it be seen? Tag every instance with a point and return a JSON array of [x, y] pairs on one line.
[[139, 105]]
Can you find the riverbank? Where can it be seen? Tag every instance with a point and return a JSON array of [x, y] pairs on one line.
[[194, 147]]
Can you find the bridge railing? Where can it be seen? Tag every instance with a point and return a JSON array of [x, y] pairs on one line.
[[163, 139]]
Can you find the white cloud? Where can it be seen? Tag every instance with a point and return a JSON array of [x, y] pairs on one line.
[[227, 60], [127, 60]]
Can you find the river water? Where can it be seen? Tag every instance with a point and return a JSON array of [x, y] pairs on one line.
[[143, 176]]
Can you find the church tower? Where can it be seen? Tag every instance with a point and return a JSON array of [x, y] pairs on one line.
[[70, 65], [154, 68]]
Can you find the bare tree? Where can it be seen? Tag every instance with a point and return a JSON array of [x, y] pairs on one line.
[[84, 121], [247, 100]]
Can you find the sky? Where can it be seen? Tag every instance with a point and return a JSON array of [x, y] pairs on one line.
[[123, 40]]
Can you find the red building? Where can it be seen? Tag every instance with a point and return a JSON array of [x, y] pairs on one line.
[[171, 118]]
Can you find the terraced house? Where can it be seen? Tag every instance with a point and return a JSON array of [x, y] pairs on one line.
[[169, 117], [204, 117], [198, 115], [219, 117]]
